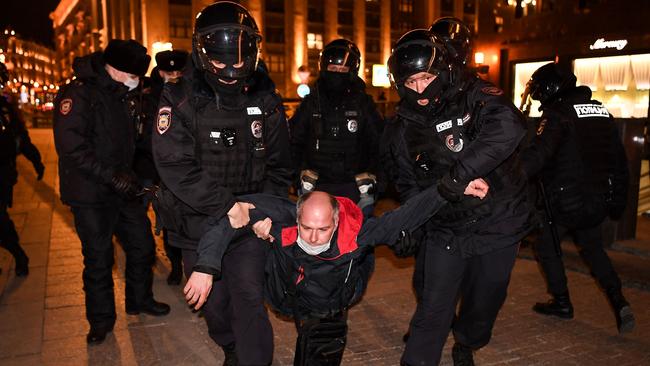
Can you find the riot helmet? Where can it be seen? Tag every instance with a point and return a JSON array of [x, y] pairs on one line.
[[4, 75], [457, 38], [226, 41], [415, 52], [341, 53], [549, 81]]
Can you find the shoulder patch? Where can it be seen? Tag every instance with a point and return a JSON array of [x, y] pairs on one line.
[[590, 110], [492, 90], [65, 106], [540, 128], [164, 119]]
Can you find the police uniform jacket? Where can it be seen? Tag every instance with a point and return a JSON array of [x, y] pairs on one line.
[[207, 153], [578, 155], [337, 136], [325, 284], [14, 140], [94, 134], [476, 135]]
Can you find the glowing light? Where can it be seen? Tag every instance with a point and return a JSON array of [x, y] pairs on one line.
[[303, 90], [479, 58], [380, 76]]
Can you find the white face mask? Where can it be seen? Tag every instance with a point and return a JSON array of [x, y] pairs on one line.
[[131, 83], [313, 249]]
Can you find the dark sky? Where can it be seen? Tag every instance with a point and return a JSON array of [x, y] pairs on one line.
[[29, 18]]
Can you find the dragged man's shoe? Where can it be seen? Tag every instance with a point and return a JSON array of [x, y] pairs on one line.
[[622, 310], [462, 355], [559, 305], [230, 356], [97, 335], [22, 265], [154, 308]]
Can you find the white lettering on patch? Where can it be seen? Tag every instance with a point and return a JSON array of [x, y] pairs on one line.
[[253, 111], [590, 110]]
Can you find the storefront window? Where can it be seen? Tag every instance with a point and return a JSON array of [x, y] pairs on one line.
[[523, 71], [620, 82]]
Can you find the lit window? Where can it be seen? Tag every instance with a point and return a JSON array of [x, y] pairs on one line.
[[315, 40]]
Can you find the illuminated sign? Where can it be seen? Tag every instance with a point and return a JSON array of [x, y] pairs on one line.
[[303, 90], [380, 76], [601, 43]]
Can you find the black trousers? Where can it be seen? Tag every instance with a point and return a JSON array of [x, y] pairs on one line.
[[8, 234], [480, 282], [96, 227], [235, 309], [590, 244]]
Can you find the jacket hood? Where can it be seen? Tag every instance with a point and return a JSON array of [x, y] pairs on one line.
[[90, 69], [350, 221]]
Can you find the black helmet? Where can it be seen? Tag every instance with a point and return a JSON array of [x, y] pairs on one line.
[[341, 52], [4, 74], [457, 38], [548, 81], [226, 32], [417, 51]]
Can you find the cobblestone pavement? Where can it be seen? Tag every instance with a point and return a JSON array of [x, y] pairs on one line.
[[42, 318]]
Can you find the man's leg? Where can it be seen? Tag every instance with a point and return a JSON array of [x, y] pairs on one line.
[[95, 229], [430, 325], [243, 274], [9, 241], [175, 258], [483, 292]]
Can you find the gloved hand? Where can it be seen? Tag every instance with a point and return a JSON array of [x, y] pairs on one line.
[[125, 184], [308, 179], [451, 189], [408, 243], [40, 169]]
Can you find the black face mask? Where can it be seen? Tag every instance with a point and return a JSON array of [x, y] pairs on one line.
[[335, 82], [230, 96], [432, 93]]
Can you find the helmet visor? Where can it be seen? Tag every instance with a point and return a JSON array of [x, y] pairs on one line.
[[411, 58], [338, 59], [228, 52]]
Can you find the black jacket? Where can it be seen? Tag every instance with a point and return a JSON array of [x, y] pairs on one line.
[[185, 161], [14, 140], [94, 134], [491, 129], [325, 284]]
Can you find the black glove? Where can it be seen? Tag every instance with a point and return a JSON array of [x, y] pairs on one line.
[[125, 184], [408, 243], [40, 169], [451, 189]]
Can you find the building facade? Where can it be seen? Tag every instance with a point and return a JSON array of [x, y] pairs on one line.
[[32, 69]]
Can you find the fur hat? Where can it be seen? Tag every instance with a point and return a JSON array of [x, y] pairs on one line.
[[127, 56], [171, 60]]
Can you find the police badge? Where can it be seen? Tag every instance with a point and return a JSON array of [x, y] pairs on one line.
[[449, 141], [65, 106], [164, 119], [256, 129], [353, 125]]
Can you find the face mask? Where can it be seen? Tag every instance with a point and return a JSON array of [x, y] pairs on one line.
[[335, 82], [313, 249], [131, 83], [432, 93]]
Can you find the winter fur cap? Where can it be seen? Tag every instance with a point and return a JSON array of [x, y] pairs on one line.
[[127, 56], [171, 60]]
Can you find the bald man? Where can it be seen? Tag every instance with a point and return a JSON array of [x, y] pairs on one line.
[[318, 266]]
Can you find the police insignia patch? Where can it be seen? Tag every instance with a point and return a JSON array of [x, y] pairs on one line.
[[449, 141], [540, 128], [66, 106], [256, 129], [353, 125], [164, 119], [492, 90]]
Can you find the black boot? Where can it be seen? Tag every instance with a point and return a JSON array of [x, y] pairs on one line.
[[559, 305], [462, 355], [22, 264], [622, 310], [230, 356]]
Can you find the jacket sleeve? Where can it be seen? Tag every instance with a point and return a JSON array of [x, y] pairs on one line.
[[27, 148], [396, 162], [549, 135], [278, 161], [72, 123], [501, 131], [300, 127], [374, 123], [408, 217], [174, 153]]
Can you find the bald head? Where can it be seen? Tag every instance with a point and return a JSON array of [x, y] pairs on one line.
[[317, 217]]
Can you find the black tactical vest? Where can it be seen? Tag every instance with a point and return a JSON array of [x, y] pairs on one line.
[[335, 144]]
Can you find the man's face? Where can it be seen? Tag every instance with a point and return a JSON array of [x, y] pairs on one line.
[[338, 68], [316, 224], [221, 65], [121, 76], [170, 75], [418, 82]]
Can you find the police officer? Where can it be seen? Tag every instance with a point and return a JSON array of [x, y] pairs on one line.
[[579, 158], [451, 128], [14, 140], [169, 68], [334, 132], [94, 135], [221, 132]]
